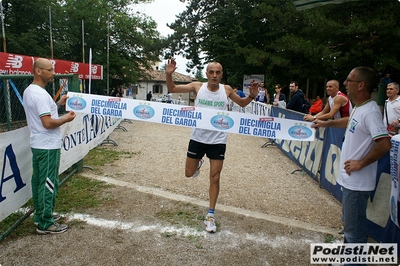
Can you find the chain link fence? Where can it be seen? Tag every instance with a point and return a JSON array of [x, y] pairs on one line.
[[12, 114]]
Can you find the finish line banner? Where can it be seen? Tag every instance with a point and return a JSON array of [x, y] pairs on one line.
[[190, 116]]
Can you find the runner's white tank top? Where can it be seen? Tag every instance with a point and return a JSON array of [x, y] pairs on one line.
[[213, 100]]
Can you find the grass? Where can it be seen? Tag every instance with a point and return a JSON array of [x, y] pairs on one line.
[[77, 194], [186, 216], [182, 217], [101, 156], [329, 238]]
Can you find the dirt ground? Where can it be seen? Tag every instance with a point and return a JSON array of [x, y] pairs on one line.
[[265, 214]]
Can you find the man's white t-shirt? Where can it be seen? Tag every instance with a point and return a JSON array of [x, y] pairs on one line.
[[214, 100], [364, 127], [392, 109], [38, 103]]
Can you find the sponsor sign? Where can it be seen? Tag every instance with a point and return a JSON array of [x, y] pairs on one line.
[[189, 116], [353, 253], [13, 64]]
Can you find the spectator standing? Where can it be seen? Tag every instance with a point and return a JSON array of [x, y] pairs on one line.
[[279, 97], [386, 79], [169, 97], [391, 111], [45, 141], [149, 96], [338, 105], [117, 92], [262, 94], [214, 95], [366, 141], [297, 97]]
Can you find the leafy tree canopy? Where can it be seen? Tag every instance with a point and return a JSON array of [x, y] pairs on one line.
[[272, 38], [134, 41]]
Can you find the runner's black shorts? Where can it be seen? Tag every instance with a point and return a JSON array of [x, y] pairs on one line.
[[196, 150]]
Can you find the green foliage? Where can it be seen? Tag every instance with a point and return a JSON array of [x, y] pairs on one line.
[[199, 76], [101, 156], [272, 38], [134, 41], [80, 193], [187, 216]]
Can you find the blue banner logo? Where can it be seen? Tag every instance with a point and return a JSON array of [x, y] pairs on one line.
[[76, 103], [300, 132], [222, 122], [143, 112]]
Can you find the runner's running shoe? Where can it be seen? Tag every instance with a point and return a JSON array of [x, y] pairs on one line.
[[210, 224]]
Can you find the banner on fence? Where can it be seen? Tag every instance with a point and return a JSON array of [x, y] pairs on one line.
[[79, 136], [395, 177], [14, 64], [190, 116]]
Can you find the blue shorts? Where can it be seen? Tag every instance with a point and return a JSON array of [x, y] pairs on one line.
[[196, 150]]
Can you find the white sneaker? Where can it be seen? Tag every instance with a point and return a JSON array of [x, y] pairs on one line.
[[198, 168], [210, 224]]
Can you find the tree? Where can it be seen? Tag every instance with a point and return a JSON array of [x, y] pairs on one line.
[[272, 38], [134, 40], [199, 76]]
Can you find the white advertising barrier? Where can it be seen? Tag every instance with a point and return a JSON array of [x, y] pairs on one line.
[[81, 135], [194, 117], [395, 175]]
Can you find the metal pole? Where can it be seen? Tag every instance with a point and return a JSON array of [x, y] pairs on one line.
[[2, 27], [83, 50], [51, 45], [108, 55], [51, 34], [7, 86]]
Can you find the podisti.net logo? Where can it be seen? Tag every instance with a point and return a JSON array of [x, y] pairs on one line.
[[300, 132], [222, 122], [143, 112], [76, 103]]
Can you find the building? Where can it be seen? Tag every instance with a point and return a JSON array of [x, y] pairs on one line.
[[155, 82]]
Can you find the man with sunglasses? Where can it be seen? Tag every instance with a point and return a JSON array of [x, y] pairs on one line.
[[45, 141], [366, 141]]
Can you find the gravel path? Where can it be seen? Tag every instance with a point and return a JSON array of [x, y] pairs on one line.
[[265, 214]]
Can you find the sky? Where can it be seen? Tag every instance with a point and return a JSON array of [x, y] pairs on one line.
[[163, 12]]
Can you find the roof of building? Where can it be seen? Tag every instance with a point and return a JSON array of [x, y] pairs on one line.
[[159, 75]]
